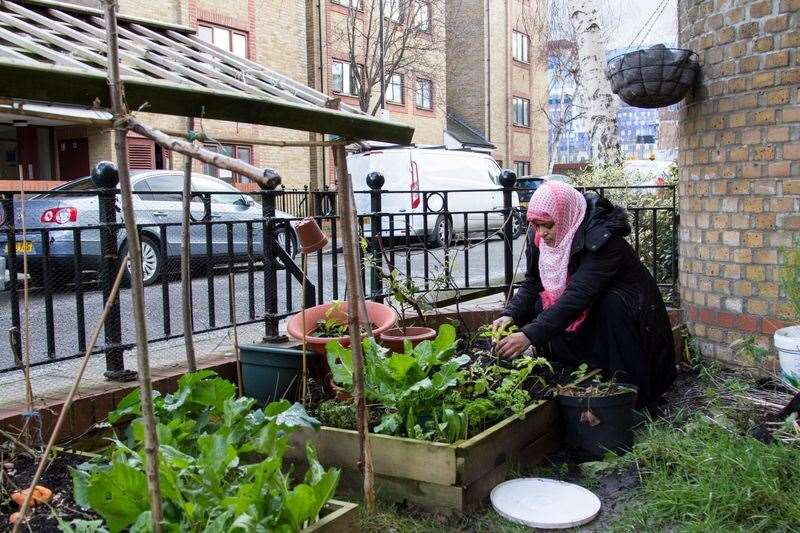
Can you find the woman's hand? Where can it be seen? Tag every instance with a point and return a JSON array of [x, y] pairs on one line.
[[501, 322], [512, 346]]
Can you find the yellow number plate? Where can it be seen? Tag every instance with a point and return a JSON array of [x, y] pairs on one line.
[[23, 246]]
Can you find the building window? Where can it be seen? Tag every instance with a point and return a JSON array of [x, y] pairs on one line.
[[240, 152], [422, 18], [356, 4], [522, 111], [519, 46], [392, 10], [522, 168], [233, 41], [394, 89], [424, 95], [345, 80]]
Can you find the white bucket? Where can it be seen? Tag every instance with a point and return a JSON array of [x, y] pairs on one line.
[[787, 341]]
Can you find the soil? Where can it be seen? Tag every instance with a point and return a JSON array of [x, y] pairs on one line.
[[57, 478]]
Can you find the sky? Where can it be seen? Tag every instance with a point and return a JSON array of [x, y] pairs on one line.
[[624, 19]]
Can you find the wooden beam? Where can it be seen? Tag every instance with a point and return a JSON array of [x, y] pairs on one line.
[[50, 83], [207, 156], [97, 122], [258, 142]]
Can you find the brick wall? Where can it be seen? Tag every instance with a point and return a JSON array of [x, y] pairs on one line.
[[739, 166]]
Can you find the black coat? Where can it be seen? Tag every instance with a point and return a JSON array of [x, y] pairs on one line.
[[603, 263]]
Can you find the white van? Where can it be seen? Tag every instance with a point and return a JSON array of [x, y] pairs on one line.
[[470, 179]]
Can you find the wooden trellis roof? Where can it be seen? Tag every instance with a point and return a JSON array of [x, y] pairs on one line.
[[55, 52]]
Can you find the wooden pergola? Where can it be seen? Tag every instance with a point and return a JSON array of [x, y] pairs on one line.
[[70, 55], [56, 52]]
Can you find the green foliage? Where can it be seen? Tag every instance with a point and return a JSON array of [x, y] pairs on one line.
[[498, 334], [331, 326], [220, 465], [431, 393], [596, 387], [704, 477], [749, 349], [337, 414], [790, 278]]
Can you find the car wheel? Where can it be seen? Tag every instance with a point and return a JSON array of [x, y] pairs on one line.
[[152, 261], [442, 231], [517, 224]]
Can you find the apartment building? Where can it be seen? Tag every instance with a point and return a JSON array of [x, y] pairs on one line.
[[497, 78], [416, 90]]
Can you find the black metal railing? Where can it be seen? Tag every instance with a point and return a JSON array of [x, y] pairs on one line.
[[437, 245]]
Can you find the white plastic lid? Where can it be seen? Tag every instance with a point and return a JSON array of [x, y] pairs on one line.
[[545, 503]]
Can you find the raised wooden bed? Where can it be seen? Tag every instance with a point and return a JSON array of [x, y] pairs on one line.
[[341, 517], [436, 475]]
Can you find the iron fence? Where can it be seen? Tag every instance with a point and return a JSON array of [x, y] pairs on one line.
[[247, 269]]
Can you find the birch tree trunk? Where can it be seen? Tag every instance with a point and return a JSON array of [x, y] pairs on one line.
[[601, 108], [186, 272]]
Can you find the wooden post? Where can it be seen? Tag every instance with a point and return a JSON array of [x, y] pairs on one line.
[[117, 97], [186, 272], [356, 299]]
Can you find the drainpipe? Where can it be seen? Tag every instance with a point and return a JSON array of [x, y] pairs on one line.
[[488, 70], [320, 34]]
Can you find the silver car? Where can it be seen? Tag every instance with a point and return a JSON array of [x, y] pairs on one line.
[[60, 212]]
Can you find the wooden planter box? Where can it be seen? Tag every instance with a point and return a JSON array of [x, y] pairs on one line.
[[342, 517], [435, 475]]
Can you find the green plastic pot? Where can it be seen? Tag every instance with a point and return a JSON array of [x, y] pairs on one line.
[[270, 373]]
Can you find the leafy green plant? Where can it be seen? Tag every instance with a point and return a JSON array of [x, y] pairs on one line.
[[596, 387], [220, 465], [331, 326], [790, 278]]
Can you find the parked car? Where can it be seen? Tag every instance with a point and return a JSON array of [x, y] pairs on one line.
[[156, 200], [469, 178]]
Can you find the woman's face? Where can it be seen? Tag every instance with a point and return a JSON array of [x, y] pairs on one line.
[[546, 232]]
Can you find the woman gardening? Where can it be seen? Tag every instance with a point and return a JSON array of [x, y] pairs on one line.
[[587, 297]]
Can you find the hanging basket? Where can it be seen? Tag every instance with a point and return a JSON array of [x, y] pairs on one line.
[[653, 77]]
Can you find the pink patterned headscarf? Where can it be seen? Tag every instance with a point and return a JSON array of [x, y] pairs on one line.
[[565, 207]]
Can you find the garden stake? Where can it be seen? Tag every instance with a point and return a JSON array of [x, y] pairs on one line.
[[186, 273], [119, 111], [26, 349], [71, 395], [231, 294], [356, 298], [304, 382]]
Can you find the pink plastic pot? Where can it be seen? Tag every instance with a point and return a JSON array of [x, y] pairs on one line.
[[381, 316], [393, 338]]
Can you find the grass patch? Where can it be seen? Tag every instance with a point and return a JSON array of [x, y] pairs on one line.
[[705, 477]]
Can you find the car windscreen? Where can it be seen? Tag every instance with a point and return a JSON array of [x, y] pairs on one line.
[[77, 185], [201, 184]]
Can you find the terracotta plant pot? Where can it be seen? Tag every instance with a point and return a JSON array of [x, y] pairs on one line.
[[382, 317], [393, 338], [310, 235]]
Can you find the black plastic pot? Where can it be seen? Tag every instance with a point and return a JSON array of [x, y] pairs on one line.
[[595, 425], [653, 77], [270, 373]]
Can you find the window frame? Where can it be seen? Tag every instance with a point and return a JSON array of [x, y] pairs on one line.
[[424, 6], [398, 12], [402, 89], [231, 33], [213, 171], [417, 93], [526, 166], [526, 108], [352, 80], [524, 44], [350, 4]]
